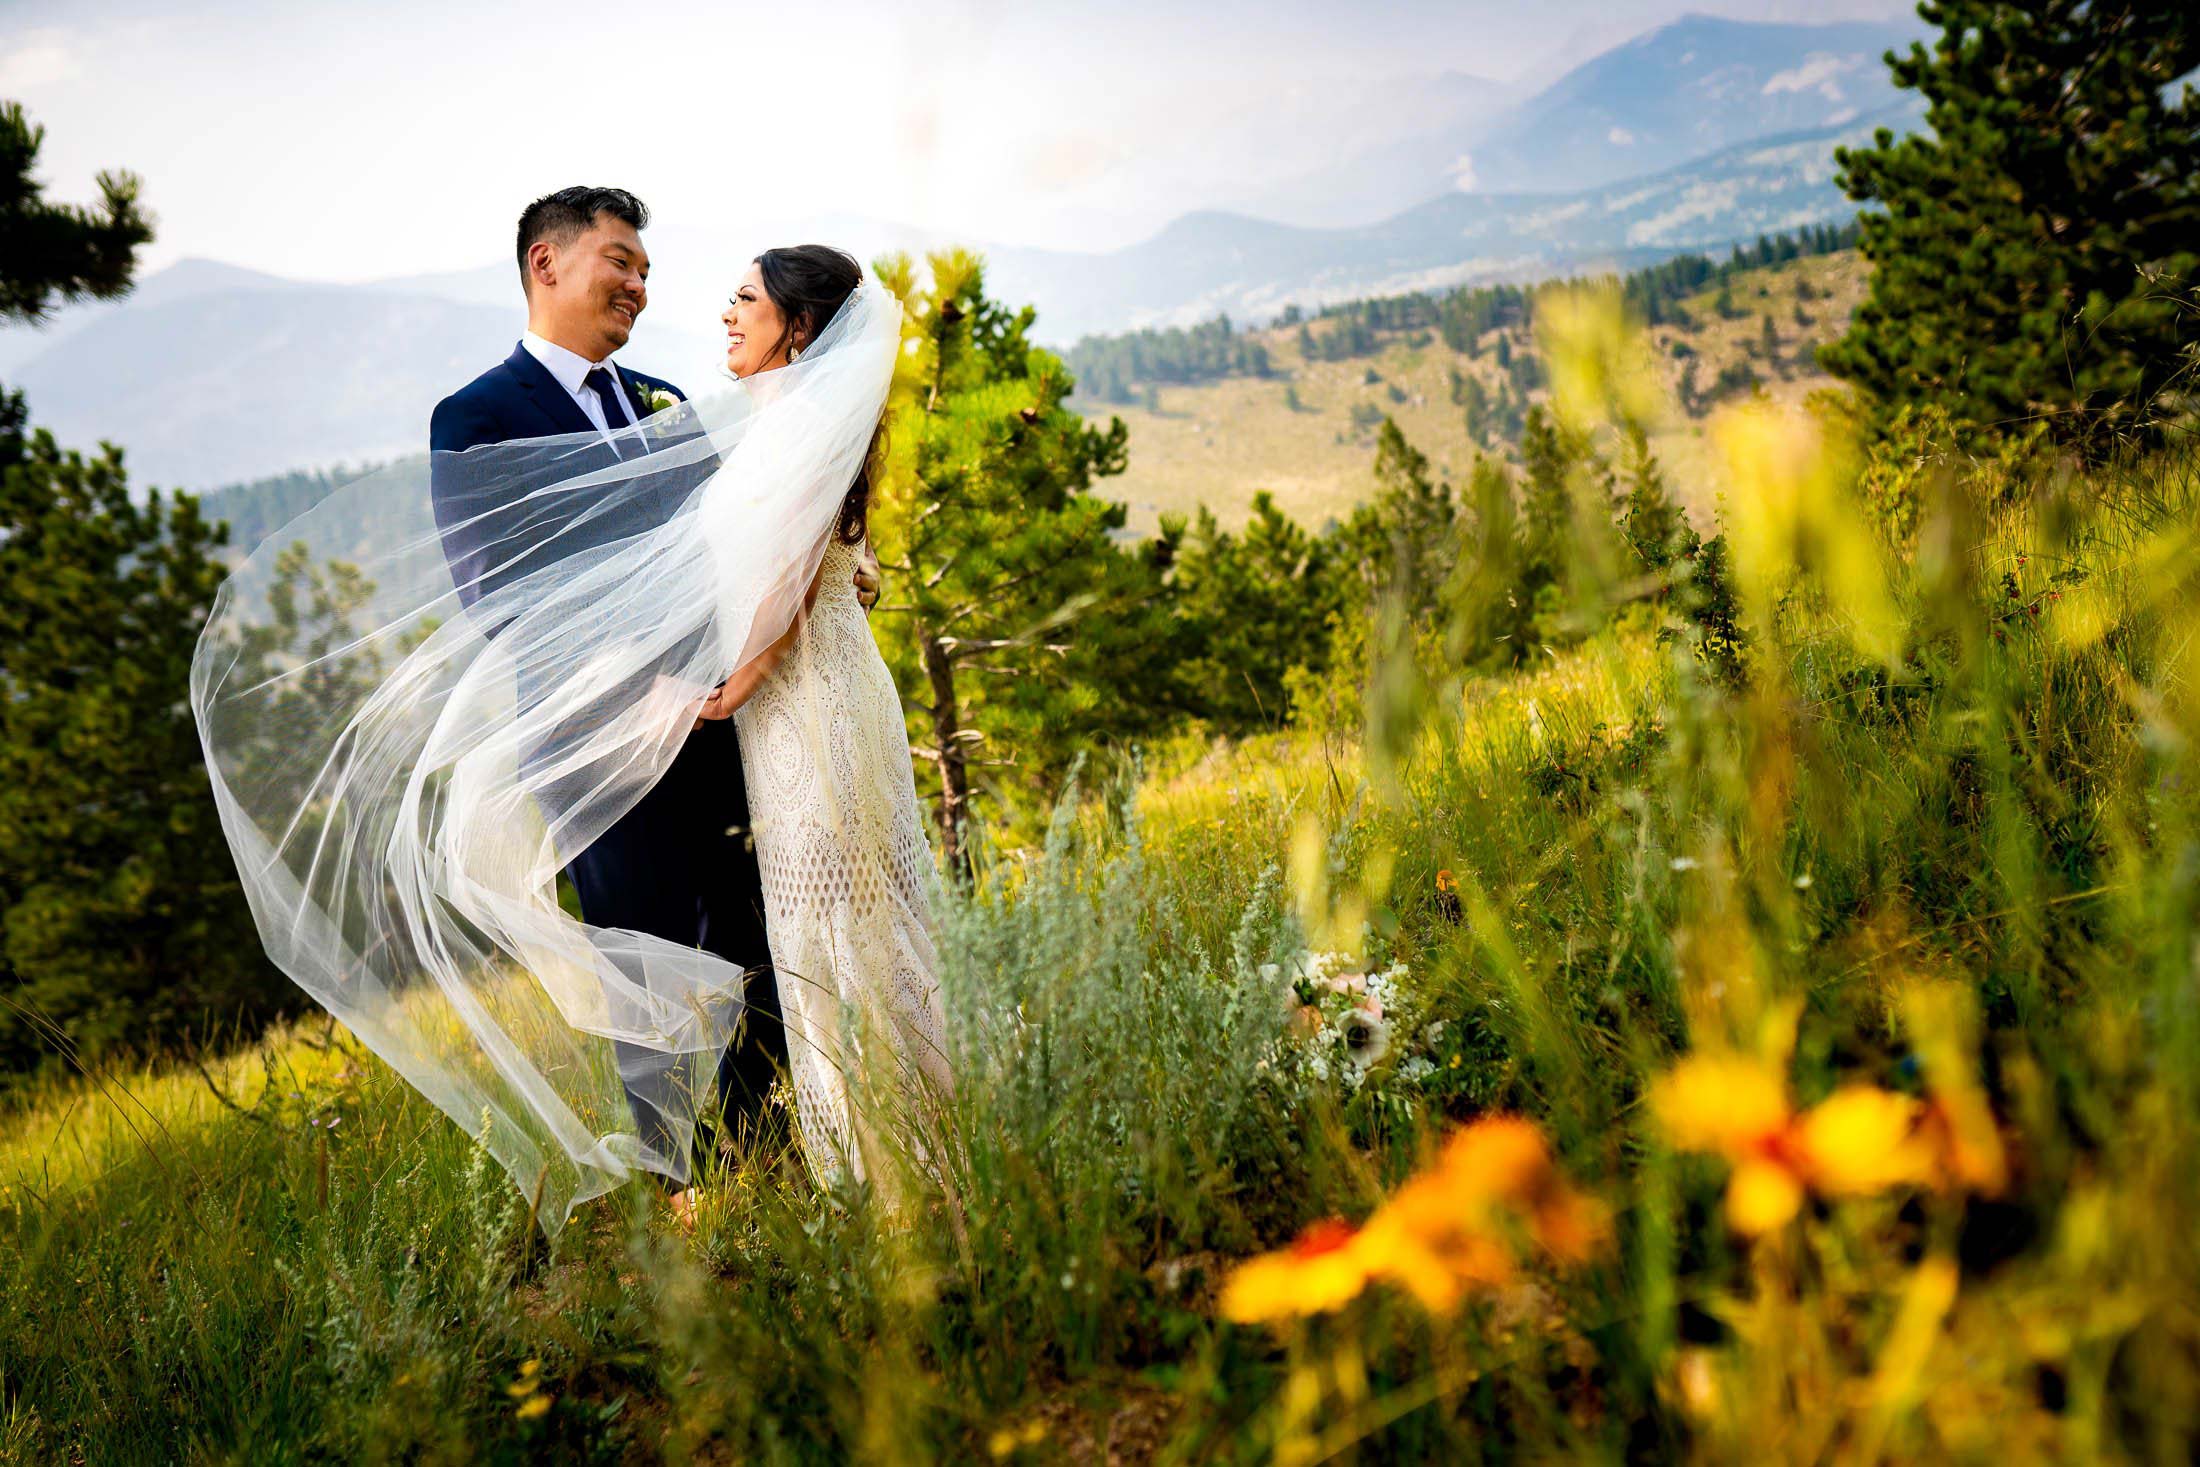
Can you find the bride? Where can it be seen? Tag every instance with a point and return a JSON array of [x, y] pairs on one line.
[[831, 797], [407, 744]]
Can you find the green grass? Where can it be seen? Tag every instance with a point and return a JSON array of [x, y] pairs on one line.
[[192, 1269]]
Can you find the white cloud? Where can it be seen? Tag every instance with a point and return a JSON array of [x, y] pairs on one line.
[[1462, 173], [1621, 136], [37, 59], [1820, 72]]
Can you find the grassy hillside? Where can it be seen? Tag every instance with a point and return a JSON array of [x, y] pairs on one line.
[[1217, 443], [1923, 899]]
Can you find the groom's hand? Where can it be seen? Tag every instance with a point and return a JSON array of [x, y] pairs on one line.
[[867, 579]]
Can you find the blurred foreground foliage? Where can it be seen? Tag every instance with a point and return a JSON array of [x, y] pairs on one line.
[[1792, 929]]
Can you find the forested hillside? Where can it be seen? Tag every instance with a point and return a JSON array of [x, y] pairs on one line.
[[1217, 415]]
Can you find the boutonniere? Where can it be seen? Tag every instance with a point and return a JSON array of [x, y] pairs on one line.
[[656, 399]]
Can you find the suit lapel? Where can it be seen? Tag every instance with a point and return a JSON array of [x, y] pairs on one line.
[[549, 396]]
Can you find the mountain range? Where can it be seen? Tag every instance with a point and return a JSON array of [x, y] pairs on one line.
[[210, 373]]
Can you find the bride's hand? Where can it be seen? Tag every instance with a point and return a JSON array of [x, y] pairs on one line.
[[866, 579], [720, 704]]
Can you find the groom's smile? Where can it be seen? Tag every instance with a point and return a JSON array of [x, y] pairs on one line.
[[586, 292]]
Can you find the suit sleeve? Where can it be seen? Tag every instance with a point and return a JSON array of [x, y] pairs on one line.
[[458, 423]]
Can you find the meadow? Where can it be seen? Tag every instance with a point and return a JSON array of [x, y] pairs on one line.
[[1218, 442], [1610, 1059]]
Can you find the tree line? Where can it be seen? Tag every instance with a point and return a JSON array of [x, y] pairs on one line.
[[1112, 368]]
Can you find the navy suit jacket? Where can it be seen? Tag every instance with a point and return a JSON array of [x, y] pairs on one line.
[[519, 398], [677, 865]]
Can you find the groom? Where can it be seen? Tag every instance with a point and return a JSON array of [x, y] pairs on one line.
[[679, 865]]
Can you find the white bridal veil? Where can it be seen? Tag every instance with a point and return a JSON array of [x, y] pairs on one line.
[[416, 708]]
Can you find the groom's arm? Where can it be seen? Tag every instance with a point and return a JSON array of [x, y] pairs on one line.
[[458, 423]]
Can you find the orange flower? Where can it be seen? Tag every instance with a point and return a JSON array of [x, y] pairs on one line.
[[1452, 1230]]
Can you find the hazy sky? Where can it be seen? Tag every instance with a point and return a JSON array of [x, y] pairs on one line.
[[353, 141]]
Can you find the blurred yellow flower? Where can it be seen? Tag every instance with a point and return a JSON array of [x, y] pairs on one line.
[[1942, 1019], [532, 1407], [1324, 1269], [1762, 1196], [1862, 1140], [1456, 1228], [1007, 1439], [1858, 1141], [1728, 1103]]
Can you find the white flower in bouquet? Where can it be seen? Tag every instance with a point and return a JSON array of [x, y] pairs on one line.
[[1366, 1040]]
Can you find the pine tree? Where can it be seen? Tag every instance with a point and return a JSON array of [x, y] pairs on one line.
[[1649, 519], [1248, 609], [1019, 631], [2017, 252], [51, 252], [1475, 401], [120, 915]]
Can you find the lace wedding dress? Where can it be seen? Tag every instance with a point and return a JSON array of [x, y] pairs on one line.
[[841, 848]]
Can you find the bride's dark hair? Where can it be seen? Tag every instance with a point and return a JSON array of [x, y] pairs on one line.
[[809, 284]]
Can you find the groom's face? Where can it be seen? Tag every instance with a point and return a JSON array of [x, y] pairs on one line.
[[597, 287]]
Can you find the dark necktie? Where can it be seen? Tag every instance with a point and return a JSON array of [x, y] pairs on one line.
[[606, 387]]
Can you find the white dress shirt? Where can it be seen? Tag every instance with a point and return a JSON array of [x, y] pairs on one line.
[[572, 369]]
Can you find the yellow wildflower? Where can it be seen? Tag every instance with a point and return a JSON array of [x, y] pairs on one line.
[[1325, 1269], [1858, 1141], [1731, 1104], [1762, 1196], [1861, 1140]]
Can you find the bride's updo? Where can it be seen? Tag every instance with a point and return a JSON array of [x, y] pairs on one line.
[[809, 284]]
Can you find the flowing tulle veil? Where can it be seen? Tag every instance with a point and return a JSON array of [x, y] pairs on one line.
[[417, 706]]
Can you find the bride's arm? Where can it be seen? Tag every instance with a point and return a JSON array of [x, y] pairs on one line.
[[742, 685]]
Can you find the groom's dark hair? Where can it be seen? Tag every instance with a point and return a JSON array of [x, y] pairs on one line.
[[563, 216]]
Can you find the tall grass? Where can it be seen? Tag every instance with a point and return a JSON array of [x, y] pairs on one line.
[[1953, 830]]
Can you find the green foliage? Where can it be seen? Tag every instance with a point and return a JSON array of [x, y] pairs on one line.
[[56, 252], [51, 252], [1250, 608], [1108, 367], [256, 509], [120, 917], [1592, 863], [1016, 619], [2028, 247]]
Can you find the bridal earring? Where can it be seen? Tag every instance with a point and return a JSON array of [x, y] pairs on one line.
[[794, 354]]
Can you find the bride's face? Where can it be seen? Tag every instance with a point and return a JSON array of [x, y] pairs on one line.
[[754, 325]]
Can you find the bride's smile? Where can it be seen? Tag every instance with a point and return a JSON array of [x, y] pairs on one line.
[[757, 337]]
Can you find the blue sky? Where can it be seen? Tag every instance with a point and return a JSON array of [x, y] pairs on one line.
[[355, 141]]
